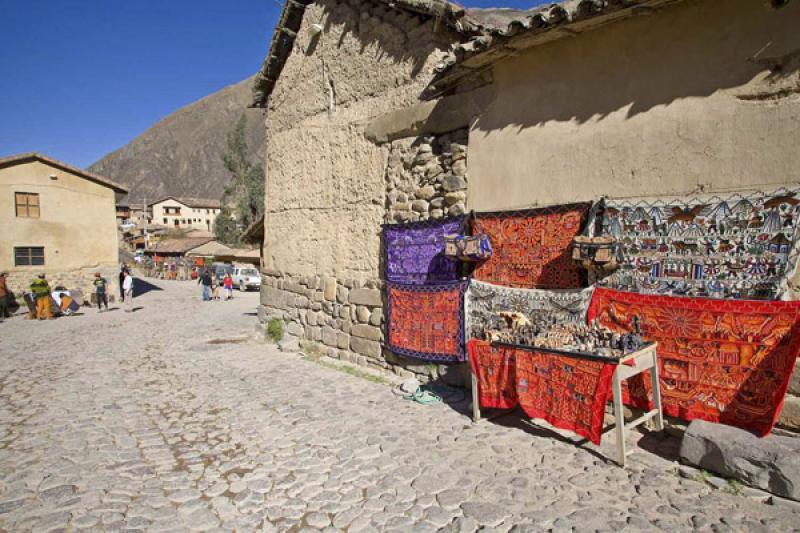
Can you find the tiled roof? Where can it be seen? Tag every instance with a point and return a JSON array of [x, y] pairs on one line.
[[177, 246], [191, 202], [505, 32], [35, 156]]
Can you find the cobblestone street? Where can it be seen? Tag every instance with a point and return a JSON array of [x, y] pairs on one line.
[[176, 418]]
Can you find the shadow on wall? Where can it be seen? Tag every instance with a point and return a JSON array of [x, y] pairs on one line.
[[363, 27], [690, 50]]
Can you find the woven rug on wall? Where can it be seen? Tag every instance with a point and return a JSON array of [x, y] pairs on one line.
[[727, 361], [414, 253], [427, 321], [485, 300], [532, 249], [737, 246], [567, 392]]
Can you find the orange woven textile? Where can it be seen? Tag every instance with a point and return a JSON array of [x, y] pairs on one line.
[[725, 361], [567, 392], [531, 249]]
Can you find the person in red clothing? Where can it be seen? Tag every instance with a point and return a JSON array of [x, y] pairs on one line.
[[227, 284]]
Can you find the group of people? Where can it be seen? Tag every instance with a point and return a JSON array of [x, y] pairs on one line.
[[209, 285], [42, 294]]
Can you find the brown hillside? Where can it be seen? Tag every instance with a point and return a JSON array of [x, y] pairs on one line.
[[181, 155]]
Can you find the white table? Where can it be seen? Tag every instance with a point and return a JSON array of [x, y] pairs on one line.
[[629, 366]]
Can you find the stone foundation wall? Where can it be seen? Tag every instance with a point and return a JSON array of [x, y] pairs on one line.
[[426, 177], [76, 279], [344, 318]]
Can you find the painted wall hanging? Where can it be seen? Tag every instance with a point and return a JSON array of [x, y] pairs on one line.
[[569, 393], [532, 248], [740, 246], [727, 361], [415, 252], [427, 321]]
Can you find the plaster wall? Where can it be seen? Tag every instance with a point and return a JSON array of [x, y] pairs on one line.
[[201, 218], [325, 190], [77, 224], [677, 102]]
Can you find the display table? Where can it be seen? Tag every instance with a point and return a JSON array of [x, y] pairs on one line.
[[627, 367]]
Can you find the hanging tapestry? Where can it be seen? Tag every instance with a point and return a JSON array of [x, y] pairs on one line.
[[427, 321], [485, 301], [725, 361], [567, 392], [531, 249], [415, 251], [741, 246]]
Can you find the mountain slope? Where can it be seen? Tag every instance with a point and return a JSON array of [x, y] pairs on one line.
[[181, 155]]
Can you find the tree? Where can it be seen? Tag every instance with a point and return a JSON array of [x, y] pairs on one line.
[[225, 227], [246, 191]]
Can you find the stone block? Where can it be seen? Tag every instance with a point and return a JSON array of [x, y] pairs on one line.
[[425, 193], [771, 463], [790, 415], [294, 328], [365, 347], [343, 340], [289, 344], [362, 313], [311, 318], [370, 297], [455, 197], [329, 292], [313, 333], [367, 332], [329, 336], [456, 210], [376, 317], [318, 296], [453, 183], [460, 168], [301, 302], [794, 384], [420, 206], [341, 294]]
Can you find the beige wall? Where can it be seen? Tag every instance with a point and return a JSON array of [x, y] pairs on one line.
[[190, 217], [325, 180], [77, 224], [664, 104]]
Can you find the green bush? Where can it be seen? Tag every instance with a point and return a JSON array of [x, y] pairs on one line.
[[275, 329]]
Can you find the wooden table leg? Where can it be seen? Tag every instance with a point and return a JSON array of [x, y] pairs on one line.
[[656, 393], [476, 406], [619, 414]]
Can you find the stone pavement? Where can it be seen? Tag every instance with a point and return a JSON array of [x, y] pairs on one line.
[[172, 418]]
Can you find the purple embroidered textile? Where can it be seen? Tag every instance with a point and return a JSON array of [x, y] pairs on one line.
[[415, 252]]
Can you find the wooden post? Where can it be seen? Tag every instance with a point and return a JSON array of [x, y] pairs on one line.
[[656, 391], [476, 406], [619, 414]]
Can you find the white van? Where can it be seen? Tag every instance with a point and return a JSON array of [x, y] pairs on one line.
[[246, 277]]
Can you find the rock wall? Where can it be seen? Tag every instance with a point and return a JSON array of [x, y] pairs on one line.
[[426, 177]]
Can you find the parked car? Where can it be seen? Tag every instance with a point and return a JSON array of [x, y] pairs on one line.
[[220, 269], [246, 277]]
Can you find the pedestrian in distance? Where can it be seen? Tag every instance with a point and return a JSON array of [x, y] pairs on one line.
[[121, 280], [205, 283], [41, 292], [214, 287], [100, 286], [127, 290], [3, 297], [227, 283]]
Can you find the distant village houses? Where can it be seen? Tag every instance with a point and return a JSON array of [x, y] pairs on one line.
[[185, 213], [58, 220]]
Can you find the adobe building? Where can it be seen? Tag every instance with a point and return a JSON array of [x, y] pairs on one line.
[[58, 220], [185, 213], [413, 110]]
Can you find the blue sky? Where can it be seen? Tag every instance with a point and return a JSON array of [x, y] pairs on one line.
[[83, 77]]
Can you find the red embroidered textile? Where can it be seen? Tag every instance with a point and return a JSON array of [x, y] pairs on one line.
[[725, 361], [427, 321], [568, 392], [531, 249]]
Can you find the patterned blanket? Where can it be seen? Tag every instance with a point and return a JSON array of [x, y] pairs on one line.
[[567, 392], [740, 246], [415, 252], [531, 249], [485, 300], [427, 321], [727, 361]]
